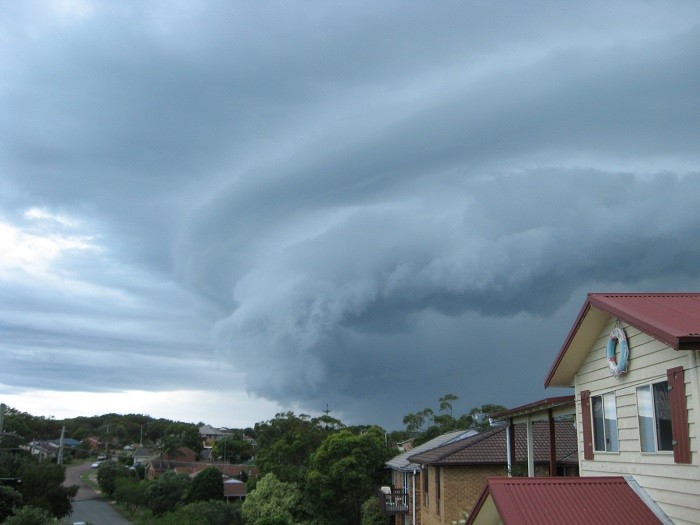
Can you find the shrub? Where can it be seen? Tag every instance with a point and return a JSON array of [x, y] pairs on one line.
[[30, 516]]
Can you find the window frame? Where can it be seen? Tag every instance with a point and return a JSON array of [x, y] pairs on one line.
[[655, 404], [607, 400]]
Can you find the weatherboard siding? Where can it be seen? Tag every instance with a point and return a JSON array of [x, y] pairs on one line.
[[675, 487]]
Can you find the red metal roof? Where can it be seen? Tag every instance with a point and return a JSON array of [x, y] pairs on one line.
[[562, 501], [672, 318]]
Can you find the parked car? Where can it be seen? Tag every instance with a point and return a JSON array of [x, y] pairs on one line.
[[96, 464]]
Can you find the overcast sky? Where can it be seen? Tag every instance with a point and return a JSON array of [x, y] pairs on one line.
[[215, 211]]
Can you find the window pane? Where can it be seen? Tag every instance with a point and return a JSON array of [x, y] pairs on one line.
[[646, 421], [662, 411], [598, 423], [610, 411]]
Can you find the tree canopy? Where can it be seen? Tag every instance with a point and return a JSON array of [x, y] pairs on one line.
[[42, 487], [286, 443], [271, 500], [233, 449], [343, 473], [430, 424], [207, 485]]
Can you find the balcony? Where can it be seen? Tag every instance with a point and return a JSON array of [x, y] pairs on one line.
[[392, 501]]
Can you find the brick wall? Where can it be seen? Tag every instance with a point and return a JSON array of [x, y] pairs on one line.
[[460, 488]]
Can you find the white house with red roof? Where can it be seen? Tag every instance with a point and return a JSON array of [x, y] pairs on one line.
[[632, 359]]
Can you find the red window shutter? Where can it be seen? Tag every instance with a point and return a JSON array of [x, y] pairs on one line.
[[586, 417], [679, 415]]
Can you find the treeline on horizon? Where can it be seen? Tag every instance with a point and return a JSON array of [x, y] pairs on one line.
[[131, 429], [124, 429]]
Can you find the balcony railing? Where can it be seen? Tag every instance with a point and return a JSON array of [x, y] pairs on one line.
[[392, 501]]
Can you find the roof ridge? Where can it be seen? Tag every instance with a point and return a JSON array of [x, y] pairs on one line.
[[470, 441]]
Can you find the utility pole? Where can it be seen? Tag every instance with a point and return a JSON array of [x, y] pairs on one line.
[[59, 460]]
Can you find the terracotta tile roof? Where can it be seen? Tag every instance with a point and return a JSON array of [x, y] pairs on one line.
[[611, 500], [194, 467], [489, 447], [672, 318], [234, 488]]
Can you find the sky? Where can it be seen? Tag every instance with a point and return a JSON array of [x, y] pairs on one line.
[[215, 211]]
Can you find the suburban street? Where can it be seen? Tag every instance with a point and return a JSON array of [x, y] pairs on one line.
[[88, 505]]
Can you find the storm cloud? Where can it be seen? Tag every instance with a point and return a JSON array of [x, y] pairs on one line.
[[355, 204]]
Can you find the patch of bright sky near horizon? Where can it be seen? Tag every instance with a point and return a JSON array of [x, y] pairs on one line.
[[216, 211]]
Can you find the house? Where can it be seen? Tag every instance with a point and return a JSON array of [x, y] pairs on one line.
[[43, 449], [210, 434], [398, 500], [453, 475], [159, 466], [205, 454], [405, 446], [549, 410], [605, 500], [181, 454], [143, 456], [234, 489], [67, 442], [632, 359]]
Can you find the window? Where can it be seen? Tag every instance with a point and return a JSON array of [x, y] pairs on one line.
[[654, 412], [438, 483], [605, 423]]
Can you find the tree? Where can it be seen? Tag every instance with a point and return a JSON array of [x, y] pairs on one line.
[[272, 499], [30, 516], [130, 492], [207, 485], [232, 449], [286, 443], [371, 513], [444, 421], [107, 474], [10, 500], [273, 521], [416, 421], [164, 493], [343, 473], [186, 435], [477, 418], [446, 402], [12, 462], [212, 513], [42, 487]]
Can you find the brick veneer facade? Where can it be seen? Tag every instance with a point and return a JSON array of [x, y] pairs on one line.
[[398, 482]]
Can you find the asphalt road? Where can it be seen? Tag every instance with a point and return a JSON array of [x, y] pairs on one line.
[[88, 505]]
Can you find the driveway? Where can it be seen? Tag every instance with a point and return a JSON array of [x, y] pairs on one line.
[[88, 505]]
